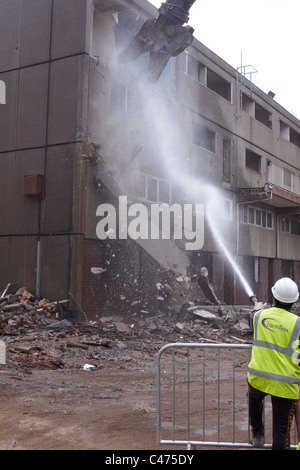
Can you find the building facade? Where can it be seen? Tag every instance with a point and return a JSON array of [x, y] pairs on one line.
[[83, 133]]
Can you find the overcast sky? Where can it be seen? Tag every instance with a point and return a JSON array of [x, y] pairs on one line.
[[265, 33]]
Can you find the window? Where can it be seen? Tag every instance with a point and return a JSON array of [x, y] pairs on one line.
[[196, 69], [253, 161], [295, 137], [295, 227], [287, 178], [248, 105], [258, 217], [152, 189], [256, 111], [284, 225], [251, 268], [284, 131], [219, 85], [251, 217], [269, 220], [263, 116], [255, 216], [126, 100], [289, 134], [204, 137], [226, 209], [287, 225], [207, 77], [226, 160]]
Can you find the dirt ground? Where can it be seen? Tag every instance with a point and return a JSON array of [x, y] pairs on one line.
[[50, 402]]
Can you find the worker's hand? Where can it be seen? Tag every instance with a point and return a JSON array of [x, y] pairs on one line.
[[259, 306], [298, 447]]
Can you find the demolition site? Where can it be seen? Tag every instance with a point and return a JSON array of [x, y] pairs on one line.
[[148, 190]]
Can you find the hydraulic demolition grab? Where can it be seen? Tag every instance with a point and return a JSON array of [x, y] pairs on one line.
[[163, 37]]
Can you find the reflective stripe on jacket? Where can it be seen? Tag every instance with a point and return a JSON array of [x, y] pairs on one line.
[[273, 367]]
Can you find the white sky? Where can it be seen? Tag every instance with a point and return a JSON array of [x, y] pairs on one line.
[[264, 32]]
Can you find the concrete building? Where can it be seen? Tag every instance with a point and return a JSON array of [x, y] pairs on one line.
[[80, 128]]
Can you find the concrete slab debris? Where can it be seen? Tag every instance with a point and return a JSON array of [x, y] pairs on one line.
[[208, 290]]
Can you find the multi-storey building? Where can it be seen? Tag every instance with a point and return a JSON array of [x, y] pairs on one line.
[[80, 129]]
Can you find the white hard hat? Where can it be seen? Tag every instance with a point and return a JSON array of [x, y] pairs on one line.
[[285, 290]]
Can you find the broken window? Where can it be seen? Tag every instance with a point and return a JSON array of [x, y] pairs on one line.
[[294, 137], [256, 111], [248, 105], [289, 134], [253, 161], [204, 138], [207, 77], [284, 131], [263, 116], [152, 189], [219, 85]]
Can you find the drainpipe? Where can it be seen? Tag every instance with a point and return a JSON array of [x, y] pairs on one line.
[[38, 268]]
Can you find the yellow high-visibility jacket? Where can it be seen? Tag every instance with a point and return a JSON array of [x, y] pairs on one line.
[[274, 366]]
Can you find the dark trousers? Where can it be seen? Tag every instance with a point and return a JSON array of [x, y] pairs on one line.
[[283, 412]]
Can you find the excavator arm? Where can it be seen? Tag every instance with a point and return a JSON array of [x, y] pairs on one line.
[[163, 37]]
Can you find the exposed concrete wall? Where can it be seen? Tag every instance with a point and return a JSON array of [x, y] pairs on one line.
[[42, 126]]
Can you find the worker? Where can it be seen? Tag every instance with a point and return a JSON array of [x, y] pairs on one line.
[[274, 367], [298, 423]]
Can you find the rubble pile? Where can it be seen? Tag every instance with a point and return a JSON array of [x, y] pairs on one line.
[[38, 333], [22, 310]]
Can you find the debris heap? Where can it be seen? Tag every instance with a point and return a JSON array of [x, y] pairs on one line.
[[22, 310]]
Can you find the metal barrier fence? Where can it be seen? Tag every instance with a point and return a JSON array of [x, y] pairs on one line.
[[202, 396]]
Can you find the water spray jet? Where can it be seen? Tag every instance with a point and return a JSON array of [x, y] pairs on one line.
[[228, 255]]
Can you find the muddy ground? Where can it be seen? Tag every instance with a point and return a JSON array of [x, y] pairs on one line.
[[51, 402]]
